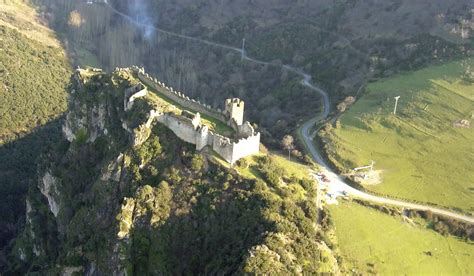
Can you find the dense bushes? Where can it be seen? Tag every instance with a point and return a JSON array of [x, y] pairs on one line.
[[446, 226], [33, 81]]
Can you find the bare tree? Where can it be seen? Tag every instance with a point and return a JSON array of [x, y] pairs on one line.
[[75, 19], [348, 101], [288, 143], [342, 107]]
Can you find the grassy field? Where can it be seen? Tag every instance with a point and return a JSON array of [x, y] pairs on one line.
[[421, 155], [291, 167], [86, 58], [373, 241], [21, 16]]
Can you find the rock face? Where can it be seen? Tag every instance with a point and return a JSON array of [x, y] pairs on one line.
[[89, 166], [48, 189], [82, 119], [462, 124]]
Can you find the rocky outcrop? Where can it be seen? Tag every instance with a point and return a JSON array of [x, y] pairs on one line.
[[125, 218], [462, 124], [114, 170], [48, 188], [91, 121]]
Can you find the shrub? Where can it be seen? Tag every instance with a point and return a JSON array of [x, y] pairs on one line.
[[243, 163], [81, 136], [441, 228], [197, 163]]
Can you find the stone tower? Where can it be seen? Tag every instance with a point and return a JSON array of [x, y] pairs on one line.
[[234, 109]]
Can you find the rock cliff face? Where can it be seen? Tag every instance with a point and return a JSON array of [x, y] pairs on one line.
[[107, 205], [86, 168], [47, 187]]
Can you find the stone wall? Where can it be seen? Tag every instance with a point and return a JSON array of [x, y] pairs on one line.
[[181, 126], [178, 97], [192, 131], [245, 147], [132, 94]]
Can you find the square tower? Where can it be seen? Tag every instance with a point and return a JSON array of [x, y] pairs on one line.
[[234, 109]]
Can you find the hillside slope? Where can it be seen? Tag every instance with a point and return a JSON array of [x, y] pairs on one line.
[[103, 205], [34, 74]]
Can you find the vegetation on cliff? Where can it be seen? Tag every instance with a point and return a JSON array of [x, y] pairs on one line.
[[34, 74], [158, 207]]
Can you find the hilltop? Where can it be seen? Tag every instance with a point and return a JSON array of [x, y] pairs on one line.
[[121, 199]]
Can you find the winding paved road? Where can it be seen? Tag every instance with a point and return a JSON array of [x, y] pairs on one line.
[[337, 186]]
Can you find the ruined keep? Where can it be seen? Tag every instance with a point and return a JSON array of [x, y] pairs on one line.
[[245, 142], [234, 110]]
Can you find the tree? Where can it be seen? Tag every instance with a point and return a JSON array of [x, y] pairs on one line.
[[342, 107], [288, 144], [75, 19], [197, 163], [349, 100]]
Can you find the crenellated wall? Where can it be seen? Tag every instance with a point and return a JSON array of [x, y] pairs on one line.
[[177, 96], [188, 126], [192, 131]]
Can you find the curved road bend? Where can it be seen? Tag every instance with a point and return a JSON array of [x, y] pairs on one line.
[[337, 185]]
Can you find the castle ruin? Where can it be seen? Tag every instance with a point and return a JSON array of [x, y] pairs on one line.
[[188, 126], [234, 111]]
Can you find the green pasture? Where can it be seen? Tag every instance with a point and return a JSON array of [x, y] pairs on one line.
[[423, 157], [373, 242]]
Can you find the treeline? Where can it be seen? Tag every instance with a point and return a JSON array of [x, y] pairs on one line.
[[441, 224]]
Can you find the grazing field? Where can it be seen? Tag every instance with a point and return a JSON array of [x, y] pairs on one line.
[[422, 156], [290, 168], [373, 242]]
